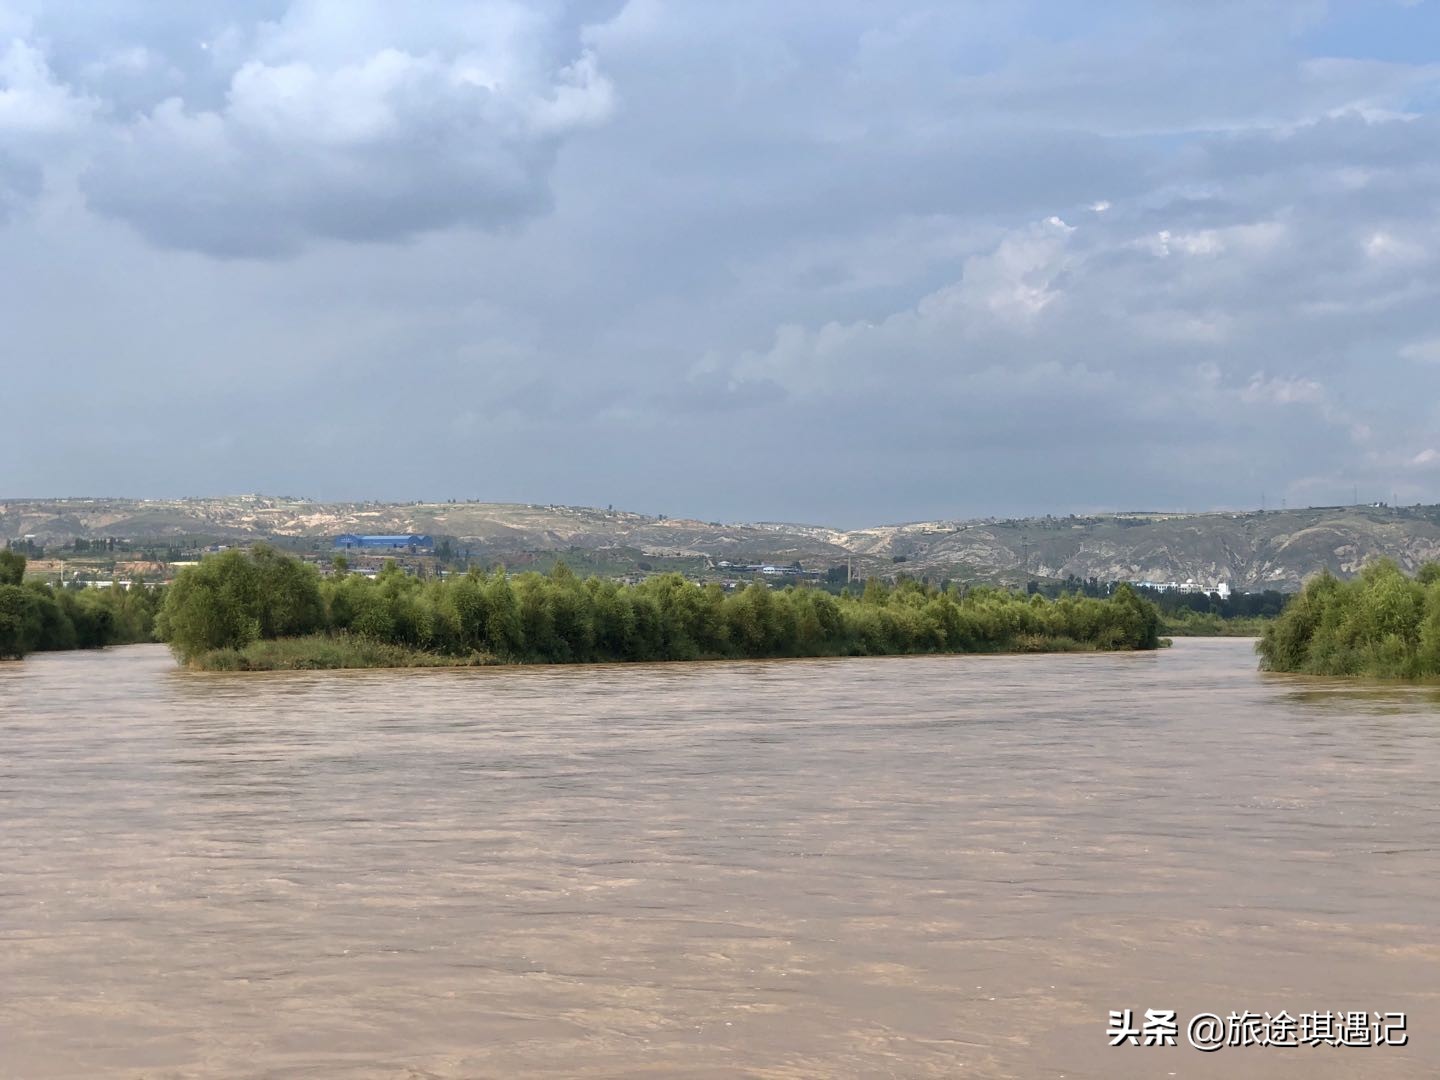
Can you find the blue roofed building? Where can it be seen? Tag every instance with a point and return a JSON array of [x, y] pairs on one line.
[[411, 543]]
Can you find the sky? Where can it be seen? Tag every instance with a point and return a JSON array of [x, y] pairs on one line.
[[839, 261]]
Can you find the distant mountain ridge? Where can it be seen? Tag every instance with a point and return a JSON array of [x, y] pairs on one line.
[[1248, 550]]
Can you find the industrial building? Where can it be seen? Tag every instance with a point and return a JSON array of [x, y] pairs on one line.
[[413, 544]]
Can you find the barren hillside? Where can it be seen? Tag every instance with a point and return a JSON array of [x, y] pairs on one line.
[[1249, 550]]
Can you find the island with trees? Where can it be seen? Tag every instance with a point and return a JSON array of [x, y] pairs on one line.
[[265, 610], [1380, 624]]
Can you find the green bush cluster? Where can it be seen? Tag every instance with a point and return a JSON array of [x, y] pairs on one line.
[[1381, 624], [35, 617], [235, 599]]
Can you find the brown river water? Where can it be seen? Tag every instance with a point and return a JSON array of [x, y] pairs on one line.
[[902, 867]]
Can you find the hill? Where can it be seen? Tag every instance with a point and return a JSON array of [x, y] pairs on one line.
[[1249, 550]]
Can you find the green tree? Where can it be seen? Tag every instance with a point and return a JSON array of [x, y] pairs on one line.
[[290, 603], [12, 567], [20, 625], [233, 599], [1381, 624], [215, 605]]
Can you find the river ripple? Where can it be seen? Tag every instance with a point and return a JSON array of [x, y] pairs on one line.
[[903, 867]]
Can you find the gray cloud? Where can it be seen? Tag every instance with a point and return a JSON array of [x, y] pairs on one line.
[[20, 181], [330, 120]]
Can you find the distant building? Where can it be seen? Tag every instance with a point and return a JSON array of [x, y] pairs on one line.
[[1221, 589], [413, 543]]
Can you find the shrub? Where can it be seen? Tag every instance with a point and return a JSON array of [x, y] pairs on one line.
[[1382, 624], [232, 601]]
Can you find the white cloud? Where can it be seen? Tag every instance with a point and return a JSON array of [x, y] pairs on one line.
[[1424, 352], [32, 101], [1256, 238], [1385, 246], [343, 121], [1005, 290], [1017, 281], [1281, 390]]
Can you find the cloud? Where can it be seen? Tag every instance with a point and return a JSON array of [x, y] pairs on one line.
[[1261, 390], [1118, 330], [20, 182], [933, 258], [1257, 238], [32, 101], [1385, 246], [40, 119], [378, 150], [1424, 352], [1019, 280], [333, 121]]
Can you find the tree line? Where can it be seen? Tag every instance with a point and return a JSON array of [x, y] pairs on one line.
[[34, 617], [233, 600], [1381, 623], [1238, 605]]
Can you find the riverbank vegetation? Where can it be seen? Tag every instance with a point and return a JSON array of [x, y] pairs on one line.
[[35, 617], [1381, 624], [1184, 623], [324, 652], [225, 612], [1185, 612]]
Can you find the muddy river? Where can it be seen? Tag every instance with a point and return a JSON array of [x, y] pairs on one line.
[[901, 867]]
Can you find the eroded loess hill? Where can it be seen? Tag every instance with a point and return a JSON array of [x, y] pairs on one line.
[[1277, 549]]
